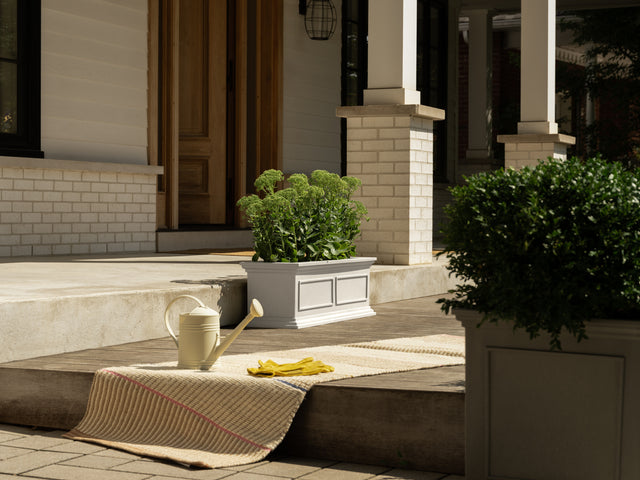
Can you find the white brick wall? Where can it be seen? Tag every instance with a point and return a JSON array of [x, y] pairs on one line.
[[63, 209], [519, 155], [393, 156]]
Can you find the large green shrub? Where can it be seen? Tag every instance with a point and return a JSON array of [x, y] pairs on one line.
[[549, 247], [314, 219]]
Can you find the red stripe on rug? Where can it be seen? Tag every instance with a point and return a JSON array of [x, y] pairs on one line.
[[186, 407]]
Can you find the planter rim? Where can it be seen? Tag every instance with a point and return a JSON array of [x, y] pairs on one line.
[[298, 265], [598, 327]]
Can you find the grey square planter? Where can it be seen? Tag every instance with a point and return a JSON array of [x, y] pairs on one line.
[[536, 414], [306, 294]]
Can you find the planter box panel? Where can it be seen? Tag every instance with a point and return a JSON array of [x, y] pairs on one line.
[[276, 291], [314, 294], [352, 289], [574, 399], [523, 400]]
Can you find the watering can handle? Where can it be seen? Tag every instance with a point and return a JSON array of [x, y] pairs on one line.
[[166, 314]]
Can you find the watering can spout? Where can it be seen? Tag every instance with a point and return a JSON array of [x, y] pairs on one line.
[[255, 310]]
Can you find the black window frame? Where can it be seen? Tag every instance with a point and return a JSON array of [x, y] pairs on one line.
[[357, 25], [26, 142], [434, 96]]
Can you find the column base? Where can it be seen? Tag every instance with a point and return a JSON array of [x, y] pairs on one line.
[[391, 96], [537, 128]]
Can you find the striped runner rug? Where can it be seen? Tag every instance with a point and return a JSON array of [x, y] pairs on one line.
[[226, 417]]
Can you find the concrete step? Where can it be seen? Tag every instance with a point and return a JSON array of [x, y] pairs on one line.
[[415, 420], [409, 420], [419, 426], [51, 305]]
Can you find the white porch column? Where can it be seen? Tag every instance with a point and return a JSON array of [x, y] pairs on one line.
[[537, 136], [392, 55], [479, 152], [538, 71]]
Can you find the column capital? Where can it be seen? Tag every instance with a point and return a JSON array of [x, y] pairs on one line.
[[422, 111], [538, 138], [390, 96]]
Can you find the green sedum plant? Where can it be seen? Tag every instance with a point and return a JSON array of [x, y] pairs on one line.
[[313, 219], [549, 247]]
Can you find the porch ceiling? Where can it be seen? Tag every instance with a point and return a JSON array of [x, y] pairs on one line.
[[514, 5]]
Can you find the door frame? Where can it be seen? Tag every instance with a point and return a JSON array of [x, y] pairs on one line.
[[163, 107]]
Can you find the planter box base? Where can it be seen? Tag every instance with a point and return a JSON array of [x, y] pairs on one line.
[[311, 320]]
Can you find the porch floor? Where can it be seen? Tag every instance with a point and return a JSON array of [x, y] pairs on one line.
[[66, 304]]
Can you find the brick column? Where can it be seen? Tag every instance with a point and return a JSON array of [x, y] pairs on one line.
[[390, 148], [529, 149]]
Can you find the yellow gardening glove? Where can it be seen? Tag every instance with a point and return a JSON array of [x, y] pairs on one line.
[[306, 366]]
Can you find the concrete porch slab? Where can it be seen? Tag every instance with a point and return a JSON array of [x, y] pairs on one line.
[[51, 305]]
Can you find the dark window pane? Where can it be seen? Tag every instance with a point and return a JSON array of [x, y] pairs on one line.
[[8, 97], [351, 85], [20, 78], [431, 72], [435, 27], [9, 29], [351, 51], [354, 62], [350, 10]]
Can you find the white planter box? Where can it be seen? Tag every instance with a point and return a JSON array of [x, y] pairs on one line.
[[305, 294], [536, 414]]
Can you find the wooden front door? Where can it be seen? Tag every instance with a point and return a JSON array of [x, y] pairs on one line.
[[216, 78], [202, 119]]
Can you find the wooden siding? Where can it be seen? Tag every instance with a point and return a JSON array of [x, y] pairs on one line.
[[94, 80], [311, 93]]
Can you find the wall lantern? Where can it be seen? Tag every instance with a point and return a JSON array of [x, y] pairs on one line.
[[320, 18]]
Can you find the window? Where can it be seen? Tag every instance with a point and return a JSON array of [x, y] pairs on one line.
[[431, 74], [354, 61], [20, 78]]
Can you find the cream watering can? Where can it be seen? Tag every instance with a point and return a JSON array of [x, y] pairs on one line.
[[199, 345]]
